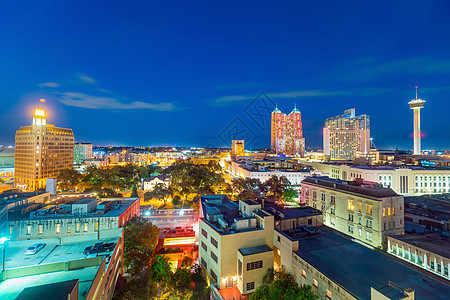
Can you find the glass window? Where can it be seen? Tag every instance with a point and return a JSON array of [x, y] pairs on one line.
[[369, 209], [350, 205], [58, 228], [29, 229], [40, 229], [304, 273], [96, 226], [77, 227], [315, 283], [85, 227]]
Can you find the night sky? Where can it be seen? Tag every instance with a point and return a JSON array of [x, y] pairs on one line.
[[189, 73]]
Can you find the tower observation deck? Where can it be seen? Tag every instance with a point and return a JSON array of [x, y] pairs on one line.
[[416, 105]]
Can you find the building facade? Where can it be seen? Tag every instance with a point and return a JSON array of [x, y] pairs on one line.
[[345, 135], [287, 133], [404, 180], [237, 147], [366, 212], [81, 152], [42, 150], [430, 251], [235, 242]]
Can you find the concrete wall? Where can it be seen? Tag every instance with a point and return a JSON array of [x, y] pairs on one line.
[[255, 275]]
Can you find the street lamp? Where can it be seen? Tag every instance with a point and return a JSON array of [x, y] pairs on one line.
[[2, 242]]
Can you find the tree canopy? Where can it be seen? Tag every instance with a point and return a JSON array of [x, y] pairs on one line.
[[282, 285]]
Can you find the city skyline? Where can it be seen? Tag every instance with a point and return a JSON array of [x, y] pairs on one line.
[[200, 65]]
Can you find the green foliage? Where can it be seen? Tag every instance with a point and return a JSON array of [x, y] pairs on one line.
[[140, 288], [134, 192], [247, 188], [160, 192], [140, 240], [68, 179], [276, 185], [289, 195], [281, 285], [187, 177], [176, 200], [201, 289]]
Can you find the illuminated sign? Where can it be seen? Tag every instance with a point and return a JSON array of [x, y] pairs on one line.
[[179, 240], [38, 112]]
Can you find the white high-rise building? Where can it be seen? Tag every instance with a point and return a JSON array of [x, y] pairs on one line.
[[346, 134]]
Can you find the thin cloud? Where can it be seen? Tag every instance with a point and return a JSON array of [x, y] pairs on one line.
[[83, 100], [49, 84], [293, 94], [86, 78]]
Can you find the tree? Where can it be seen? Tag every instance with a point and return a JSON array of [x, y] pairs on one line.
[[282, 285], [276, 186], [247, 188], [68, 179], [140, 240], [134, 192], [160, 191], [201, 289], [179, 285], [289, 195], [160, 272], [176, 200]]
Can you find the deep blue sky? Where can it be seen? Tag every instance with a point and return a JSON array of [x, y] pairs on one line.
[[185, 73]]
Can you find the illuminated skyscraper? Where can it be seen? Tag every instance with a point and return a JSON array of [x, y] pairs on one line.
[[416, 105], [286, 133], [346, 134], [237, 147], [82, 151], [42, 150]]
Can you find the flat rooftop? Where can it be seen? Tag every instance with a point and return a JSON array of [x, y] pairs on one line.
[[58, 290], [116, 209], [432, 206], [255, 250], [51, 253], [290, 213], [432, 241], [357, 268], [374, 191]]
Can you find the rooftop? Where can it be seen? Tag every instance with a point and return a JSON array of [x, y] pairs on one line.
[[49, 258], [357, 268], [432, 206], [255, 250], [281, 213], [373, 190], [26, 212], [432, 241], [58, 290]]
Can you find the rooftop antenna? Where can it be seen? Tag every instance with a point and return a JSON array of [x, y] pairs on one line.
[[416, 91]]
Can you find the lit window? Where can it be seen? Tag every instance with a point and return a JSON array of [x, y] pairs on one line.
[[369, 209], [328, 294], [315, 283], [58, 228], [40, 229], [304, 273], [384, 212], [69, 229], [350, 204], [85, 227], [96, 226], [359, 204], [29, 229], [77, 227], [389, 211]]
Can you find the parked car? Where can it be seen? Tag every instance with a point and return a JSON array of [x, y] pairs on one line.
[[33, 249], [99, 247]]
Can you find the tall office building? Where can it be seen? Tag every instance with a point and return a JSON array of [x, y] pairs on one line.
[[416, 105], [81, 152], [286, 133], [42, 150], [237, 147], [346, 134]]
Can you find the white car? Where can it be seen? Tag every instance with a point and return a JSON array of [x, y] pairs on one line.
[[33, 249]]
